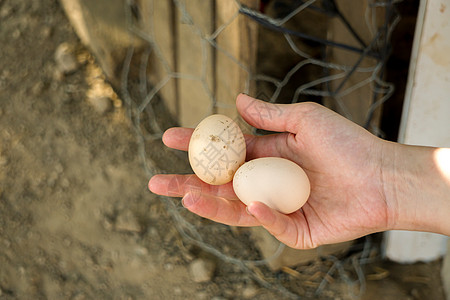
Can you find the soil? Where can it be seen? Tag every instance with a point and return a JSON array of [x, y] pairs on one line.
[[76, 218]]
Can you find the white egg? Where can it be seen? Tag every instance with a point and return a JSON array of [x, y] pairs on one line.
[[216, 149], [277, 182]]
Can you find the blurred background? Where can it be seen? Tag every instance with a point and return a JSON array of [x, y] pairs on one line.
[[88, 87]]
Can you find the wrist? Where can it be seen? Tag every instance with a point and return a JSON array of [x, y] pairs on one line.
[[416, 191]]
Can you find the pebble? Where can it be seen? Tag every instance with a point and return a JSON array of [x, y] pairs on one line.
[[177, 291], [38, 88], [202, 296], [16, 34], [3, 161], [79, 296], [202, 270], [66, 61], [5, 11], [100, 104], [46, 32], [126, 221], [249, 292], [168, 267]]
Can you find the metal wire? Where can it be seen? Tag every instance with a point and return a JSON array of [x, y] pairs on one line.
[[377, 48]]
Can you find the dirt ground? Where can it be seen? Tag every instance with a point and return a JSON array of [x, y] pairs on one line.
[[76, 218]]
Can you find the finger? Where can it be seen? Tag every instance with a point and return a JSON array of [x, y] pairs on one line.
[[257, 146], [269, 116], [177, 138], [272, 145], [180, 185], [219, 210], [291, 229]]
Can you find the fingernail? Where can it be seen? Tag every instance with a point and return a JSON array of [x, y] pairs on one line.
[[151, 184]]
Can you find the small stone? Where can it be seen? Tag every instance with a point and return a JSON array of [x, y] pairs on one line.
[[79, 296], [177, 290], [168, 267], [16, 34], [141, 251], [65, 183], [38, 88], [202, 270], [3, 161], [5, 11], [100, 104], [249, 292], [46, 32], [126, 221], [202, 296], [65, 58]]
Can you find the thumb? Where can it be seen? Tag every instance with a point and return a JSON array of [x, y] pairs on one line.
[[269, 116]]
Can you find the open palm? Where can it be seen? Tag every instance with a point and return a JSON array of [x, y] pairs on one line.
[[342, 160]]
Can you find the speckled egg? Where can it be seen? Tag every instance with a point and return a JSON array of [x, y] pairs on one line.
[[216, 149]]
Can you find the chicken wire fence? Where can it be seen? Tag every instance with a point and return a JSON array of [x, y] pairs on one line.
[[314, 72]]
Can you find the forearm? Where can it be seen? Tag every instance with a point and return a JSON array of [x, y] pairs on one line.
[[417, 187]]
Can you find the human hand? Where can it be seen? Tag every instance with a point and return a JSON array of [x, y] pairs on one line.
[[342, 160]]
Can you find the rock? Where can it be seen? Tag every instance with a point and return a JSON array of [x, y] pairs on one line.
[[16, 34], [202, 296], [38, 88], [6, 11], [249, 292], [66, 61], [202, 270], [126, 221], [79, 296], [3, 161], [46, 32], [100, 104], [177, 291]]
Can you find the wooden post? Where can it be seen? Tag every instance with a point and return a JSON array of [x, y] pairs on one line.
[[235, 54], [195, 59], [425, 119], [356, 103], [157, 17]]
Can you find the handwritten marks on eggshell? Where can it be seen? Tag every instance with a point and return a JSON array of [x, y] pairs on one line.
[[216, 149]]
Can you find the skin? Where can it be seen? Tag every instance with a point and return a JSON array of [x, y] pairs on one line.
[[360, 184]]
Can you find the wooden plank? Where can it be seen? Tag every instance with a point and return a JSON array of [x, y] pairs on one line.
[[195, 21], [354, 105], [235, 54], [157, 17], [425, 119]]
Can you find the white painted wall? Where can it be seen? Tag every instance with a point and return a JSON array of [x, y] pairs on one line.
[[426, 116]]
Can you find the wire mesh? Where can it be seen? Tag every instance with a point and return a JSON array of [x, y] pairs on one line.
[[328, 81]]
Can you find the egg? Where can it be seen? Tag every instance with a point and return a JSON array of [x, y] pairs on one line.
[[216, 149], [277, 182]]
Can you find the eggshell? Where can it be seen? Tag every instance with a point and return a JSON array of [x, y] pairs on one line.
[[277, 182], [216, 149]]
